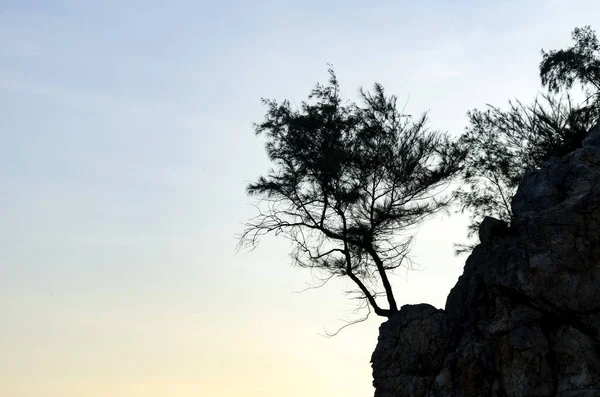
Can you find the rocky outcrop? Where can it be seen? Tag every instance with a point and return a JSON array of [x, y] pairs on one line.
[[524, 318]]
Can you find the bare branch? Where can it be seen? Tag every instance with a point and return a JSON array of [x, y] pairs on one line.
[[349, 323]]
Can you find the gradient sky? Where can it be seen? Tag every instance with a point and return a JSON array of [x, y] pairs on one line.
[[127, 141]]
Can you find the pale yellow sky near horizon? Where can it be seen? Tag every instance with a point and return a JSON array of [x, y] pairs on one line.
[[127, 143]]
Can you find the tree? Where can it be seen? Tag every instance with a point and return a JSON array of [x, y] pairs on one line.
[[559, 69], [502, 146], [348, 178]]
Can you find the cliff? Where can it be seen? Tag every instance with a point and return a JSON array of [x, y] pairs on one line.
[[524, 318]]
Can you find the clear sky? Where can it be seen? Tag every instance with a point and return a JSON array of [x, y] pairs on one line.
[[126, 143]]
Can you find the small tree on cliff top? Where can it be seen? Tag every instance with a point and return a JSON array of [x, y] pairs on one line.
[[347, 180], [559, 69], [503, 145]]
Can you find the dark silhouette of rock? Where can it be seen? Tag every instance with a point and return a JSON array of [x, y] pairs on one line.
[[524, 318], [491, 227]]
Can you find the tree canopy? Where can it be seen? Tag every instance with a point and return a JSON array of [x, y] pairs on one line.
[[559, 69], [503, 145], [347, 179]]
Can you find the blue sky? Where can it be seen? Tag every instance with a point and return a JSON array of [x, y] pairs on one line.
[[127, 140]]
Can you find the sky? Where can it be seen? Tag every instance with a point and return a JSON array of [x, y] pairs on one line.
[[127, 142]]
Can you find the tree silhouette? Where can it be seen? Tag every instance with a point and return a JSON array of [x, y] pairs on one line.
[[559, 69], [348, 179], [503, 145]]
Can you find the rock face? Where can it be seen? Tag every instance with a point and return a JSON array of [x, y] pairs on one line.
[[524, 318]]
